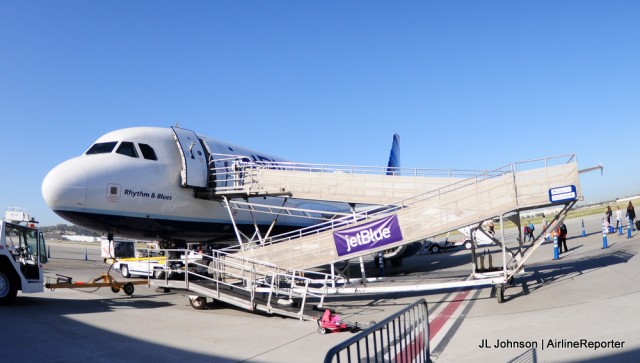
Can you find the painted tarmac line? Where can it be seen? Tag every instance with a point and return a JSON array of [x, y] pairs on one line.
[[436, 324], [438, 346]]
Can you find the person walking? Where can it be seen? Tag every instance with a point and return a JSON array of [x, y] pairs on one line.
[[608, 213], [531, 228], [618, 217], [562, 238], [631, 215]]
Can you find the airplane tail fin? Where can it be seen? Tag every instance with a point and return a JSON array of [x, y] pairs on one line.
[[393, 167]]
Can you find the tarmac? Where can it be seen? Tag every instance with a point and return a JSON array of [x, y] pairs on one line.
[[581, 307]]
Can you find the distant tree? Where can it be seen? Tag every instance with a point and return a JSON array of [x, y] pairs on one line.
[[66, 229]]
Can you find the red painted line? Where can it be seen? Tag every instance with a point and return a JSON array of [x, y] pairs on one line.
[[437, 323], [411, 351]]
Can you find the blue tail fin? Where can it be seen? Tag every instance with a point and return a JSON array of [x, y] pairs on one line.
[[393, 167]]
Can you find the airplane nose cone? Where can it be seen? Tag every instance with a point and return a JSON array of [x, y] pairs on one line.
[[65, 187]]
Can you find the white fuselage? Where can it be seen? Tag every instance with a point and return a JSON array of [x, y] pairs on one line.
[[138, 197]]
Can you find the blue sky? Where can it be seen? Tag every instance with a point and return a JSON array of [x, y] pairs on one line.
[[466, 84]]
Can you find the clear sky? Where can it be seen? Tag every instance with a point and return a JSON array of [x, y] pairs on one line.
[[466, 84]]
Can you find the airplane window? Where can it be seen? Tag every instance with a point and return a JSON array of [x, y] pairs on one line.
[[127, 148], [101, 148], [148, 152]]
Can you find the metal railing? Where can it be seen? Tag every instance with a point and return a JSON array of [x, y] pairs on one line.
[[402, 337], [376, 212], [226, 270]]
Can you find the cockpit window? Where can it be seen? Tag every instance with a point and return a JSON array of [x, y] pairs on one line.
[[101, 148], [127, 148], [148, 152]]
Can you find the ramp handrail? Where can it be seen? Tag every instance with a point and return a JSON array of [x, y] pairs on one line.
[[256, 276], [239, 173], [378, 170], [378, 211]]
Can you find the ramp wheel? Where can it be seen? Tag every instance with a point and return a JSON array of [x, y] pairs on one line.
[[198, 302], [500, 293], [128, 288]]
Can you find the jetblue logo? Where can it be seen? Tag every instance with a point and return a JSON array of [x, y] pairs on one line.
[[367, 236]]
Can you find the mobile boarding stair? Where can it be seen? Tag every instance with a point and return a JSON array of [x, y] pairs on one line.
[[418, 207], [246, 283]]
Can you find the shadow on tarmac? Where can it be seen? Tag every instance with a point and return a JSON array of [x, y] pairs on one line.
[[49, 330], [540, 275]]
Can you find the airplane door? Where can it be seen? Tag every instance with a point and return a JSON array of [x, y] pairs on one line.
[[194, 161]]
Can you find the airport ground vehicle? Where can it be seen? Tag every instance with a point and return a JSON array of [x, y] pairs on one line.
[[153, 262], [437, 246], [481, 239], [22, 254], [117, 248]]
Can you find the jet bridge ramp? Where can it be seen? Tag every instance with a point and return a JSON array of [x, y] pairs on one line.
[[458, 204]]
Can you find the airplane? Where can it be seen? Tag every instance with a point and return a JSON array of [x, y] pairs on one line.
[[150, 183]]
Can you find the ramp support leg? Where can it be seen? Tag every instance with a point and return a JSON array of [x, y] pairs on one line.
[[364, 277]]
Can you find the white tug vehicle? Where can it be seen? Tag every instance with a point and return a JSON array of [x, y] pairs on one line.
[[22, 255]]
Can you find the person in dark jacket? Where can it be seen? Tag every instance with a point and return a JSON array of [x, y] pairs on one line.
[[631, 215], [562, 238]]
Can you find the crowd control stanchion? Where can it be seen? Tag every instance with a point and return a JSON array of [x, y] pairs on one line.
[[629, 228], [619, 227], [604, 236], [381, 263], [556, 255], [584, 233]]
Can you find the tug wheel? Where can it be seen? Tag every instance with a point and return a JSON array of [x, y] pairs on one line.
[[115, 289], [128, 288], [8, 287]]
